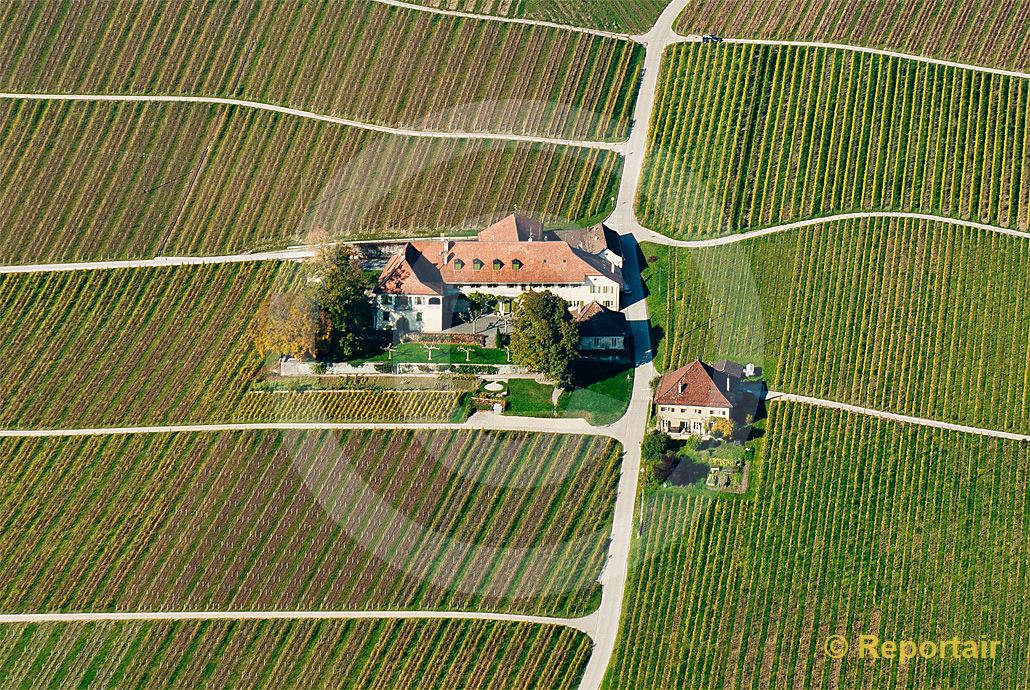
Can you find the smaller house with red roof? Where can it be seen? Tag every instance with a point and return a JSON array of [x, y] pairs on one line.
[[689, 400]]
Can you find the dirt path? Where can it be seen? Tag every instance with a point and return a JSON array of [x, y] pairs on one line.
[[581, 624], [492, 136], [773, 396]]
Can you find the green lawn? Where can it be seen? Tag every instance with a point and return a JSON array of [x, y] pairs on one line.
[[604, 395], [601, 398], [527, 398], [442, 354]]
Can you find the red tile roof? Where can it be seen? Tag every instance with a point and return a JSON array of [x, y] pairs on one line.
[[693, 384], [513, 228], [410, 273], [426, 266]]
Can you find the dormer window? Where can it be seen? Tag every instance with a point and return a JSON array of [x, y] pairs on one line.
[[516, 264], [458, 264], [477, 264], [497, 264]]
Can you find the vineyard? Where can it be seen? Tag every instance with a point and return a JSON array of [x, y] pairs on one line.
[[748, 136], [103, 180], [630, 16], [456, 520], [298, 654], [349, 406], [919, 318], [860, 526], [128, 346], [992, 34], [360, 60]]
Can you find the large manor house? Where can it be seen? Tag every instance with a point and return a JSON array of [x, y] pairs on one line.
[[418, 288]]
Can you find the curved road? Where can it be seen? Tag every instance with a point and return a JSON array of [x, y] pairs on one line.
[[490, 136], [645, 234]]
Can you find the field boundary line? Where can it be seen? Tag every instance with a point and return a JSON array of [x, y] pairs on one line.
[[614, 146], [693, 38], [648, 235], [584, 624], [772, 396], [507, 20]]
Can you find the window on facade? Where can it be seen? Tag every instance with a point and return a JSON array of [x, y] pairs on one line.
[[418, 316], [458, 264], [477, 264], [434, 300]]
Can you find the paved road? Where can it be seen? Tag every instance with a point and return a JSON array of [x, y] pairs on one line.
[[629, 430], [606, 145], [582, 624], [906, 419], [506, 20], [873, 51]]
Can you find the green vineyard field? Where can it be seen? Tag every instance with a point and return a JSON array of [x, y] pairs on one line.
[[748, 136], [858, 527], [389, 654], [360, 60], [104, 181], [630, 16], [919, 318], [369, 519], [992, 34]]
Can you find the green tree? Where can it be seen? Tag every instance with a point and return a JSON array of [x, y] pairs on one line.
[[544, 336], [342, 292], [291, 324]]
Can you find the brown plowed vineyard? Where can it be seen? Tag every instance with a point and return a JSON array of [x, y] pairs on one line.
[[859, 527], [388, 654], [630, 16], [116, 180], [927, 319], [748, 136], [366, 519], [991, 34], [361, 60], [160, 346], [348, 406]]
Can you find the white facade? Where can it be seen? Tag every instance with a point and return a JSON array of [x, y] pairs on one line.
[[598, 289], [422, 313], [689, 420]]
